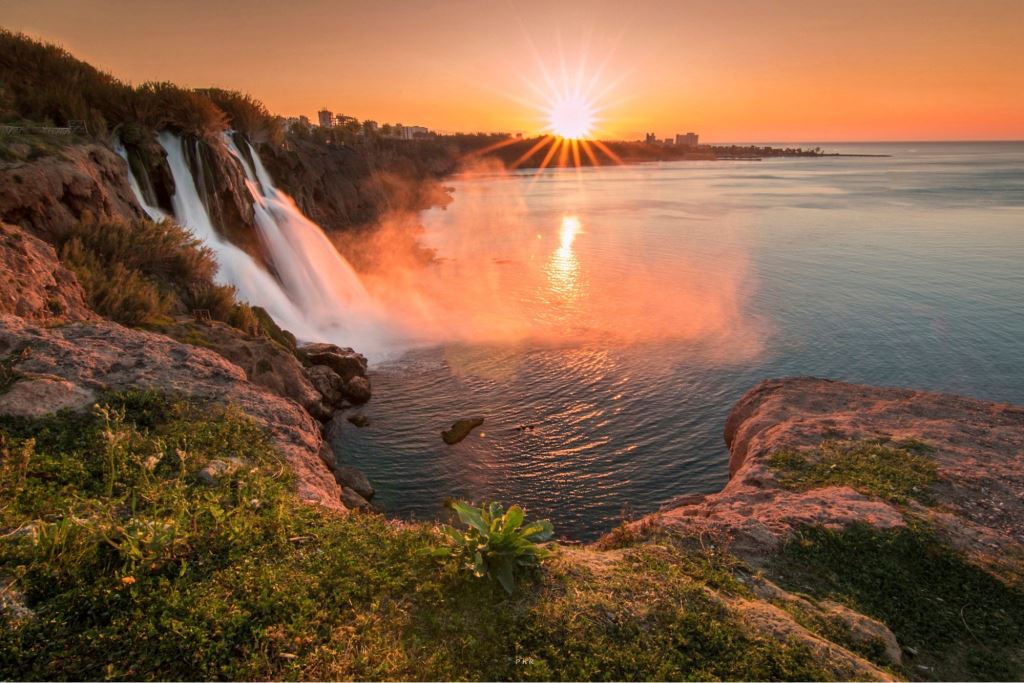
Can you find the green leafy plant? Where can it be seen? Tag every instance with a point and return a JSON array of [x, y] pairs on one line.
[[496, 542]]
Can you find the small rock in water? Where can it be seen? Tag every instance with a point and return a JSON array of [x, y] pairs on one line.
[[350, 477], [525, 428], [461, 429], [353, 500], [359, 420]]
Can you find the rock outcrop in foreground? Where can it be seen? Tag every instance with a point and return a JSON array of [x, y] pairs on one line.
[[888, 522], [977, 446], [69, 366]]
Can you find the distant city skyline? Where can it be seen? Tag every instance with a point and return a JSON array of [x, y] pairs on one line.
[[784, 71]]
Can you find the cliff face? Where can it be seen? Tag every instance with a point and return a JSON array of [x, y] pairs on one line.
[[45, 194], [340, 187]]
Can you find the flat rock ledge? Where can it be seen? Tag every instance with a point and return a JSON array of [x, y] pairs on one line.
[[977, 446], [67, 366]]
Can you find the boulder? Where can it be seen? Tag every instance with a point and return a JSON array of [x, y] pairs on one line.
[[343, 361], [216, 469], [33, 282], [264, 361], [359, 420], [328, 382], [353, 500], [355, 480], [357, 390], [461, 429]]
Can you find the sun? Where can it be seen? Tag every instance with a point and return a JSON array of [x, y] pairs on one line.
[[571, 117]]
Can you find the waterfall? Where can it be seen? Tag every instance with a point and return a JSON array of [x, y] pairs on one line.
[[154, 212], [316, 295]]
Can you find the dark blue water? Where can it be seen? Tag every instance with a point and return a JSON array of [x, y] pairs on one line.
[[901, 271]]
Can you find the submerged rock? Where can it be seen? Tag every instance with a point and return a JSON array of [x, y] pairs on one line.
[[359, 420], [461, 429]]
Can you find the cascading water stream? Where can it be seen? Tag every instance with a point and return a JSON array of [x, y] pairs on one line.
[[317, 295], [155, 213]]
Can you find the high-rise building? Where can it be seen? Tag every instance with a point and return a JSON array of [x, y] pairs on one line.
[[651, 139], [687, 140], [326, 118]]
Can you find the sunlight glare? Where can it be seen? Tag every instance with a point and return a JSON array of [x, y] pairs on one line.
[[567, 234], [571, 117]]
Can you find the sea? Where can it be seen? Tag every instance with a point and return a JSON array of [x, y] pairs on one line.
[[603, 321]]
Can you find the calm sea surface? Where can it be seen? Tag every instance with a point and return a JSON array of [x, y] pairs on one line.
[[695, 280]]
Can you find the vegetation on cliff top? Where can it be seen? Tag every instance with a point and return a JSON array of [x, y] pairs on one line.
[[44, 83], [123, 563]]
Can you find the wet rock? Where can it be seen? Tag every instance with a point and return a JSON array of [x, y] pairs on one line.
[[343, 361], [353, 500], [461, 429], [355, 480], [42, 396], [359, 420], [357, 390], [321, 411], [327, 382]]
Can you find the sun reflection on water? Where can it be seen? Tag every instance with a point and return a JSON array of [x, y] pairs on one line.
[[563, 270]]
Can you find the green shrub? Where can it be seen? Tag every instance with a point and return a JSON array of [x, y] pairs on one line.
[[496, 544], [141, 272]]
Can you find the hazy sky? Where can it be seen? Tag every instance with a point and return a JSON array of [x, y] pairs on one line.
[[728, 69]]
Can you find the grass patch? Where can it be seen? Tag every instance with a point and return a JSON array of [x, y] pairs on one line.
[[896, 472], [136, 570], [964, 623]]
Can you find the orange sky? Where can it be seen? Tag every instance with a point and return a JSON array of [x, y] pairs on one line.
[[770, 70]]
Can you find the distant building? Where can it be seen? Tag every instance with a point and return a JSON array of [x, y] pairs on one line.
[[651, 139], [326, 118], [293, 121], [687, 140]]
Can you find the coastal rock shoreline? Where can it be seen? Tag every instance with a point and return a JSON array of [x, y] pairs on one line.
[[977, 500]]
